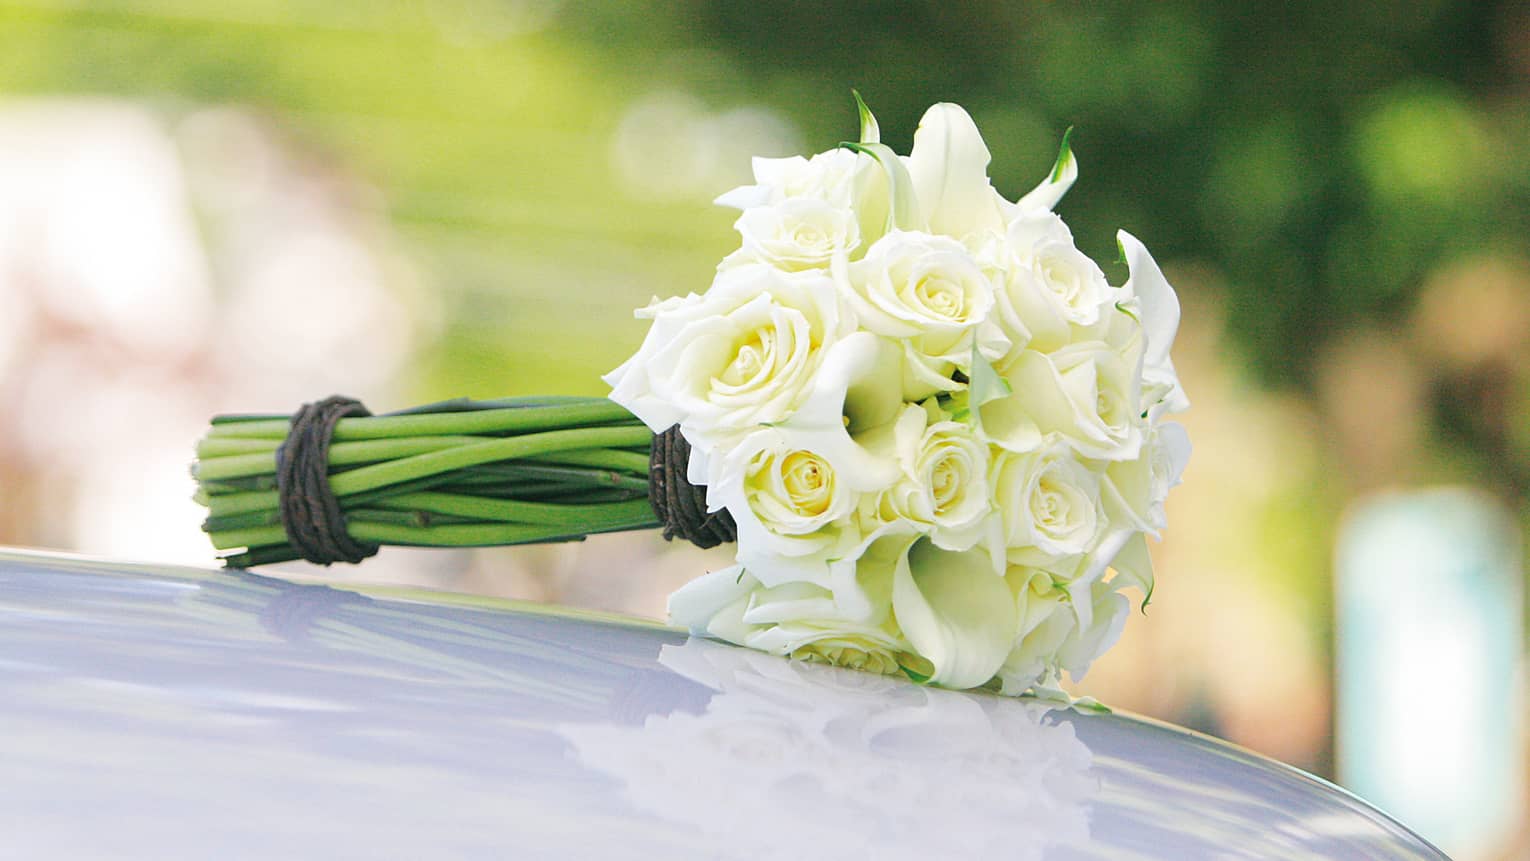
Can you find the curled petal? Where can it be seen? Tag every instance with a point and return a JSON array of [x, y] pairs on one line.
[[1045, 196], [949, 167], [955, 612]]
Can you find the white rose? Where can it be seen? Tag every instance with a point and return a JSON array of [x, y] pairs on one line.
[[931, 294], [745, 353], [1085, 393], [944, 482], [1049, 506], [788, 502], [828, 176], [1049, 285], [800, 620], [800, 233]]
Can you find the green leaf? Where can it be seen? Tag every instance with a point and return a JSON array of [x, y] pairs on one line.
[[903, 205], [870, 132], [959, 405]]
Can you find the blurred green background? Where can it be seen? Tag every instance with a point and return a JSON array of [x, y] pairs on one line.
[[417, 199]]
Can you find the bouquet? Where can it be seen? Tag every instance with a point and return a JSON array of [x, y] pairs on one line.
[[935, 431]]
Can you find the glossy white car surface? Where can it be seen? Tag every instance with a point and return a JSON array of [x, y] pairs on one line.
[[149, 712]]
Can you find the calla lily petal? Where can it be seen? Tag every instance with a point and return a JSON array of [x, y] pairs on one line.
[[903, 211], [1134, 567], [1044, 197], [695, 604], [955, 612], [949, 167], [1160, 306], [870, 132]]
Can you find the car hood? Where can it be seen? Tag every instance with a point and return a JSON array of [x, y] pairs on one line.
[[151, 712]]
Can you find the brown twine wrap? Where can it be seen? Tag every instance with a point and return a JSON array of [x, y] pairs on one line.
[[680, 505], [310, 513]]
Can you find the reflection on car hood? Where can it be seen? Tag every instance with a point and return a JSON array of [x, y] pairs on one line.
[[178, 713]]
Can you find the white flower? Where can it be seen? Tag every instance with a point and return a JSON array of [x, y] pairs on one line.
[[788, 501], [1088, 641], [956, 612], [1085, 393], [949, 169], [1046, 194], [1049, 285], [1049, 506], [936, 424], [1046, 621], [801, 620], [745, 353], [1155, 301], [1136, 489], [944, 485], [797, 234], [928, 292], [828, 176]]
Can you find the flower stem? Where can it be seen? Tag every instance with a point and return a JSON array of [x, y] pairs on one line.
[[455, 474]]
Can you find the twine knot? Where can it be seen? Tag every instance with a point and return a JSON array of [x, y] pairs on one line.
[[310, 512]]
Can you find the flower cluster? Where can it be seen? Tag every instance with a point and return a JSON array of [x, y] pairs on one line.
[[937, 426]]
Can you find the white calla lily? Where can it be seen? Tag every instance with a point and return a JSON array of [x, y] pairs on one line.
[[1046, 620], [1159, 309], [1135, 489], [1044, 197], [1088, 641], [1134, 567], [956, 612], [949, 169], [857, 387], [1084, 393]]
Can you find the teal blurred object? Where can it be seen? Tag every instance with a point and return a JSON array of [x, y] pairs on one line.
[[1430, 636]]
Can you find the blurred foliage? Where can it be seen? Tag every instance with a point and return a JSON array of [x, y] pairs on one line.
[[1322, 156], [1318, 160]]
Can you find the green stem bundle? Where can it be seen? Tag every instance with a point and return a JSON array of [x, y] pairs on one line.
[[455, 474]]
